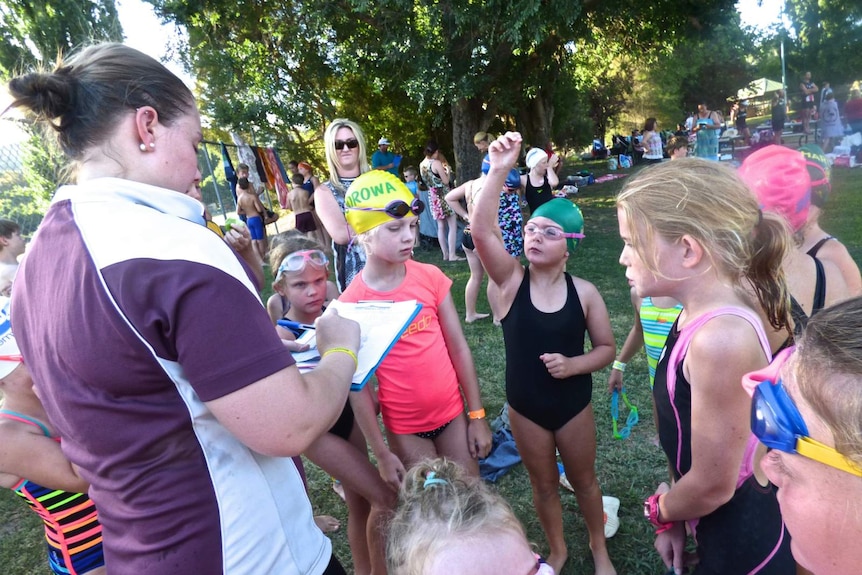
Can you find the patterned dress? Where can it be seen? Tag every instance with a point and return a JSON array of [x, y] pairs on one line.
[[437, 191], [349, 259], [511, 222]]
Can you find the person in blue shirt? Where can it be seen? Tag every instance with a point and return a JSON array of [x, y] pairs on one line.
[[383, 159]]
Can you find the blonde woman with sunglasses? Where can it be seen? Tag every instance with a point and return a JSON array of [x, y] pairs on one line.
[[347, 158], [807, 408]]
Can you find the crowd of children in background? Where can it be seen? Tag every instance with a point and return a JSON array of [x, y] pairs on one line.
[[718, 286]]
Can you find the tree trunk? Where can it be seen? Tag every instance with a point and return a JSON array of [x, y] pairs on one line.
[[468, 117], [535, 120]]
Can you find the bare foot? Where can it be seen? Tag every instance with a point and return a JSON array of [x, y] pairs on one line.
[[327, 523], [457, 259], [497, 322], [557, 561], [475, 317]]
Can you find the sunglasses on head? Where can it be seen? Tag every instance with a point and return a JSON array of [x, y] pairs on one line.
[[397, 208], [351, 143], [296, 261], [778, 424], [551, 232]]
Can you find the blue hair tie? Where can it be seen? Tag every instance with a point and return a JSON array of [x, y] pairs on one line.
[[431, 480]]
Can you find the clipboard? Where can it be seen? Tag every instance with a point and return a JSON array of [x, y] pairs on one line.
[[381, 325]]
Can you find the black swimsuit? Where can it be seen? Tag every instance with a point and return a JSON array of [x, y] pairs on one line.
[[800, 319], [747, 530], [816, 247], [528, 333], [536, 196]]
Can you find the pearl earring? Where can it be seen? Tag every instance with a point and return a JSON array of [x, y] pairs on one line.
[[143, 147]]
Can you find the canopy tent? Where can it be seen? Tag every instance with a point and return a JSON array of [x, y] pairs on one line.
[[758, 88]]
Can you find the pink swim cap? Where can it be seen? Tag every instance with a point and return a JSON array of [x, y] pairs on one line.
[[779, 178]]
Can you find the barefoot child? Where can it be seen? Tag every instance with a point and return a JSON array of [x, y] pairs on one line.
[[467, 191], [301, 269], [248, 205], [693, 231], [546, 314], [299, 201], [427, 370]]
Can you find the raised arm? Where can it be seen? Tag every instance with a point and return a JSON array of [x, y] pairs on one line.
[[502, 268], [439, 169], [553, 178]]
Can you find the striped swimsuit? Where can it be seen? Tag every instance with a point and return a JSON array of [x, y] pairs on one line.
[[656, 322], [72, 530]]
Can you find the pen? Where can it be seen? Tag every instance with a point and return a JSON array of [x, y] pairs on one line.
[[293, 325]]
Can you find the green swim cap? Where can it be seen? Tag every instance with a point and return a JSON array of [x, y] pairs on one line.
[[564, 213]]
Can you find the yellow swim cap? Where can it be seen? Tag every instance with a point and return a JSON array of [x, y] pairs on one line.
[[369, 196]]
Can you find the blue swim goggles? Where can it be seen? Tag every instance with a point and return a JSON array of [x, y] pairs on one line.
[[777, 423]]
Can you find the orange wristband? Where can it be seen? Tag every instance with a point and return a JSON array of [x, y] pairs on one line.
[[478, 414]]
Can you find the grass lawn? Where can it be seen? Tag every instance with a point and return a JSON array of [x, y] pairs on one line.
[[628, 469]]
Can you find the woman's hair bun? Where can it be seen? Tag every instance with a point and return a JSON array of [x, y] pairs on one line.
[[45, 95]]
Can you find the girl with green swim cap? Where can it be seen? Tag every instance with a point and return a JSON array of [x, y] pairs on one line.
[[546, 314]]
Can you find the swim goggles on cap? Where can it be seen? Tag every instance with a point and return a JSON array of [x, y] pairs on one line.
[[551, 232], [17, 357], [296, 261], [397, 208], [777, 423]]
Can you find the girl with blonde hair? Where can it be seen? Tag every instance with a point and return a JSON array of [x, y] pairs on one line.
[[694, 232], [449, 521]]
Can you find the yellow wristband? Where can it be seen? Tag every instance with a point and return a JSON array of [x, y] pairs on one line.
[[349, 352], [478, 414]]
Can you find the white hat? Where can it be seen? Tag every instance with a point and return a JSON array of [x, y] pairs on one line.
[[534, 156], [8, 345], [383, 142]]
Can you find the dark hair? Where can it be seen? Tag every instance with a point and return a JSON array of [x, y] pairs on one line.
[[649, 125], [243, 166], [84, 97], [676, 143], [242, 183], [8, 227], [430, 148], [297, 179]]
